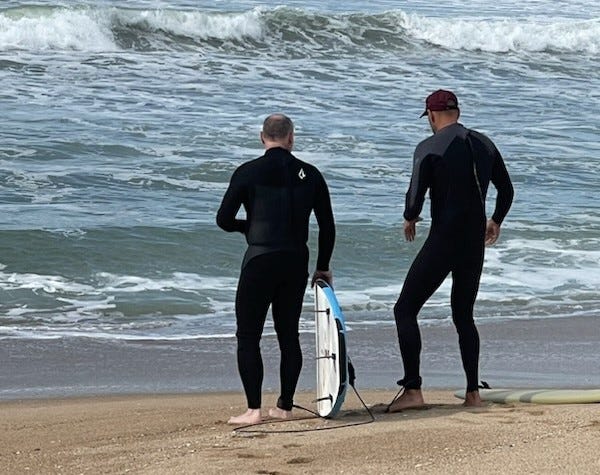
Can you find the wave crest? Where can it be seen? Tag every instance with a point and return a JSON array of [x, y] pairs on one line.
[[501, 36], [282, 31], [90, 29], [39, 29]]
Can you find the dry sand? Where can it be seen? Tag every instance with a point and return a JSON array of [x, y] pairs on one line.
[[173, 434]]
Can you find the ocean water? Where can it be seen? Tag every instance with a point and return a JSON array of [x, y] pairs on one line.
[[121, 126]]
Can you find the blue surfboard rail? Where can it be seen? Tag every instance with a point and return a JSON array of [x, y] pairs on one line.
[[342, 359]]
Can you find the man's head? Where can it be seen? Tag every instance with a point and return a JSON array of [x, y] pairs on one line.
[[278, 131], [441, 108]]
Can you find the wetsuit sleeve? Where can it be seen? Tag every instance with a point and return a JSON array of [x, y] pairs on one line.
[[503, 184], [324, 215], [233, 199], [419, 182]]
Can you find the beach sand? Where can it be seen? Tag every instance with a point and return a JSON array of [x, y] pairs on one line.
[[173, 434]]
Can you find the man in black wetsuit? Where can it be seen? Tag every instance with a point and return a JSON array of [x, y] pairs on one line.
[[456, 164], [278, 193]]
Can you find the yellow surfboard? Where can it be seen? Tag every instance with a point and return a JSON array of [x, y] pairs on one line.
[[538, 396]]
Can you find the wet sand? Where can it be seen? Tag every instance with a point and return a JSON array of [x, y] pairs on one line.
[[556, 352]]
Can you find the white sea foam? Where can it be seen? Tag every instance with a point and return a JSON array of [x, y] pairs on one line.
[[504, 35], [62, 29], [88, 29], [52, 333], [179, 280], [543, 266], [195, 24], [75, 300], [522, 277], [150, 178], [96, 29], [50, 284]]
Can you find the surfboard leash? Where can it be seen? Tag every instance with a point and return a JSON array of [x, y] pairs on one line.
[[402, 383], [248, 429]]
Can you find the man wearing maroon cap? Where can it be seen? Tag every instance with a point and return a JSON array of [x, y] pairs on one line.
[[456, 165]]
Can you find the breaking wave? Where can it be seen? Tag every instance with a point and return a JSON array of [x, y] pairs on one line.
[[282, 30]]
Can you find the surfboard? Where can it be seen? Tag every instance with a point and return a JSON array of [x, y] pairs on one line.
[[538, 396], [331, 357]]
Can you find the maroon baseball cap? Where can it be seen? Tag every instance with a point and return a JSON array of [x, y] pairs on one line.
[[440, 100]]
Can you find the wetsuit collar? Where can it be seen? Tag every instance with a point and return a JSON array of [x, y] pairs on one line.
[[276, 150], [450, 126]]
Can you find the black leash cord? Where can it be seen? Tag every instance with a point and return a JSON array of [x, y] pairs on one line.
[[248, 429]]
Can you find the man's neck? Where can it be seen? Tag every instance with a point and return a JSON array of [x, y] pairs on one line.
[[269, 145], [446, 124]]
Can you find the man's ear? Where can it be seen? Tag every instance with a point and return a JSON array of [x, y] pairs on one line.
[[262, 138]]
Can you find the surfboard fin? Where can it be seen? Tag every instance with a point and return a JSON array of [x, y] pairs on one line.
[[351, 373]]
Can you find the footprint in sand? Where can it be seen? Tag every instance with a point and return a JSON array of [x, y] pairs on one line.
[[594, 424], [536, 412], [300, 460], [248, 456]]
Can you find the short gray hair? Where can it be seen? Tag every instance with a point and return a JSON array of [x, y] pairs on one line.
[[277, 126]]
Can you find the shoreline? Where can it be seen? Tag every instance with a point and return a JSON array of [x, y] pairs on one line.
[[172, 434], [553, 353]]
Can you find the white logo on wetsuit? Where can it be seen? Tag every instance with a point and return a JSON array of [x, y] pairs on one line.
[[301, 174]]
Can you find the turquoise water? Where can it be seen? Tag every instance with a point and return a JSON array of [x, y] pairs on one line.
[[121, 127]]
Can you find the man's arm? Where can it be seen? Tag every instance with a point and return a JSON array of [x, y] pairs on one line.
[[419, 182], [503, 184], [415, 196], [324, 215], [501, 180], [233, 199]]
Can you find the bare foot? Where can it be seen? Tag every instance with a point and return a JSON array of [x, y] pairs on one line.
[[278, 413], [472, 399], [409, 399], [251, 416]]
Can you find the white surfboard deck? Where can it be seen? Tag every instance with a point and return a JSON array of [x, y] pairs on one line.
[[332, 362], [538, 396]]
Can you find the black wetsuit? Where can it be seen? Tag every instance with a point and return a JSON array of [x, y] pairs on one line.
[[445, 164], [278, 193]]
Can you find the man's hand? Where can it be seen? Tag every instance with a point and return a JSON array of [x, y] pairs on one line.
[[410, 229], [325, 275], [492, 232]]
